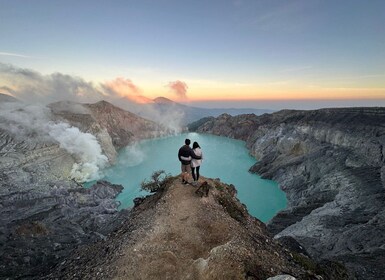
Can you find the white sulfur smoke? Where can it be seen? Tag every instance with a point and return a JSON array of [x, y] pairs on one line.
[[84, 147], [133, 155], [33, 124], [25, 122]]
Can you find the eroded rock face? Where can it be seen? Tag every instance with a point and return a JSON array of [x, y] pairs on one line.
[[330, 164], [124, 127]]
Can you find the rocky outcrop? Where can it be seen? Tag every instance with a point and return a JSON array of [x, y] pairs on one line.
[[44, 213], [39, 228], [176, 234], [330, 163]]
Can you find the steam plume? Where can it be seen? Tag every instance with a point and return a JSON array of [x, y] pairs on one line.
[[84, 147], [179, 88], [33, 123]]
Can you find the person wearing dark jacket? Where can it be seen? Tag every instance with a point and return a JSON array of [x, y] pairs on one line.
[[185, 154]]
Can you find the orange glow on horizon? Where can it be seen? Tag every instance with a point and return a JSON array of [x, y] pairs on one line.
[[200, 91], [292, 92]]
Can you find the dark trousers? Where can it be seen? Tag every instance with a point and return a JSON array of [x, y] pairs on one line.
[[195, 177]]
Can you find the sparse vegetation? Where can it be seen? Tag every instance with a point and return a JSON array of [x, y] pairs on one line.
[[219, 188], [158, 182]]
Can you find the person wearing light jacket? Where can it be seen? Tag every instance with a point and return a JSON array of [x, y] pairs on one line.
[[196, 163]]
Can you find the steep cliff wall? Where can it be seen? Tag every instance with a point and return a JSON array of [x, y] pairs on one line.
[[330, 164]]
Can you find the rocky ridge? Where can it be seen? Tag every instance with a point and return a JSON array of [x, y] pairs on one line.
[[176, 234], [330, 163], [44, 213]]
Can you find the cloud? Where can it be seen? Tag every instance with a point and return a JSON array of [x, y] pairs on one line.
[[14, 54], [32, 86], [179, 88], [121, 87]]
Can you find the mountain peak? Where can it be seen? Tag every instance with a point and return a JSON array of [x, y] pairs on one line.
[[163, 100]]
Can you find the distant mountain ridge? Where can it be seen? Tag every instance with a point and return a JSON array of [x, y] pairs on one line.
[[176, 115], [191, 113]]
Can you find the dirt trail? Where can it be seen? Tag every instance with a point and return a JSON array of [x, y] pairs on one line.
[[186, 228]]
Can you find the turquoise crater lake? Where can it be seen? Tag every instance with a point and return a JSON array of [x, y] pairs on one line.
[[224, 158]]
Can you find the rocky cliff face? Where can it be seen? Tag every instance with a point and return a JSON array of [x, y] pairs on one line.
[[112, 126], [176, 234], [330, 163], [124, 127], [44, 213]]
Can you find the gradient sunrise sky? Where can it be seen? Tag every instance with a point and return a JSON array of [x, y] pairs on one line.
[[240, 53]]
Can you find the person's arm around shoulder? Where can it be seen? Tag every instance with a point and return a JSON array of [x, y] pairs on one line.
[[193, 155], [185, 158]]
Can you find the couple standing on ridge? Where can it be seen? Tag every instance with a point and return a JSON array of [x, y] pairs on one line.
[[191, 159]]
